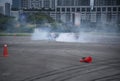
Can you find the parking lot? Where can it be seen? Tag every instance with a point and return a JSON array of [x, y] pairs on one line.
[[39, 60]]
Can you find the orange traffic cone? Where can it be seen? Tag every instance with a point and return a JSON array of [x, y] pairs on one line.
[[14, 35], [5, 51], [86, 59]]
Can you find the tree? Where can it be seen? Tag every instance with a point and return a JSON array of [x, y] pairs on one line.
[[39, 18], [4, 21]]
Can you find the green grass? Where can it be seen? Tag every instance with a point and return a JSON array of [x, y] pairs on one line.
[[15, 34]]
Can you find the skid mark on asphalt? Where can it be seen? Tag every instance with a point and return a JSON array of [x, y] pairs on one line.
[[115, 77], [73, 71]]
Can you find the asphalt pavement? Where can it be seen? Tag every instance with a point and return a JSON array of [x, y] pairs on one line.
[[41, 60]]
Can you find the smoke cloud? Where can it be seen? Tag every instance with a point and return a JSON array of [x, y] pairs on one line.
[[40, 34], [87, 32]]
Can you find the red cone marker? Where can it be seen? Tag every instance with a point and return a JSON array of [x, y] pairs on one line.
[[86, 59], [5, 51]]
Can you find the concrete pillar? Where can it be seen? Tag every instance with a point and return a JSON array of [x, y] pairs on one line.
[[71, 18], [93, 17], [63, 17], [42, 3], [77, 19], [103, 18]]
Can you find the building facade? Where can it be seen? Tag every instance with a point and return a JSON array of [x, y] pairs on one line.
[[16, 4], [106, 11], [77, 11], [7, 9], [1, 9]]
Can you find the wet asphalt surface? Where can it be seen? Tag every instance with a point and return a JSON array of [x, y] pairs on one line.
[[59, 61]]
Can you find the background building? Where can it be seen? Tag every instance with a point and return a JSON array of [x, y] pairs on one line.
[[39, 4], [16, 4], [15, 14], [1, 9], [7, 9], [75, 11], [24, 4]]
